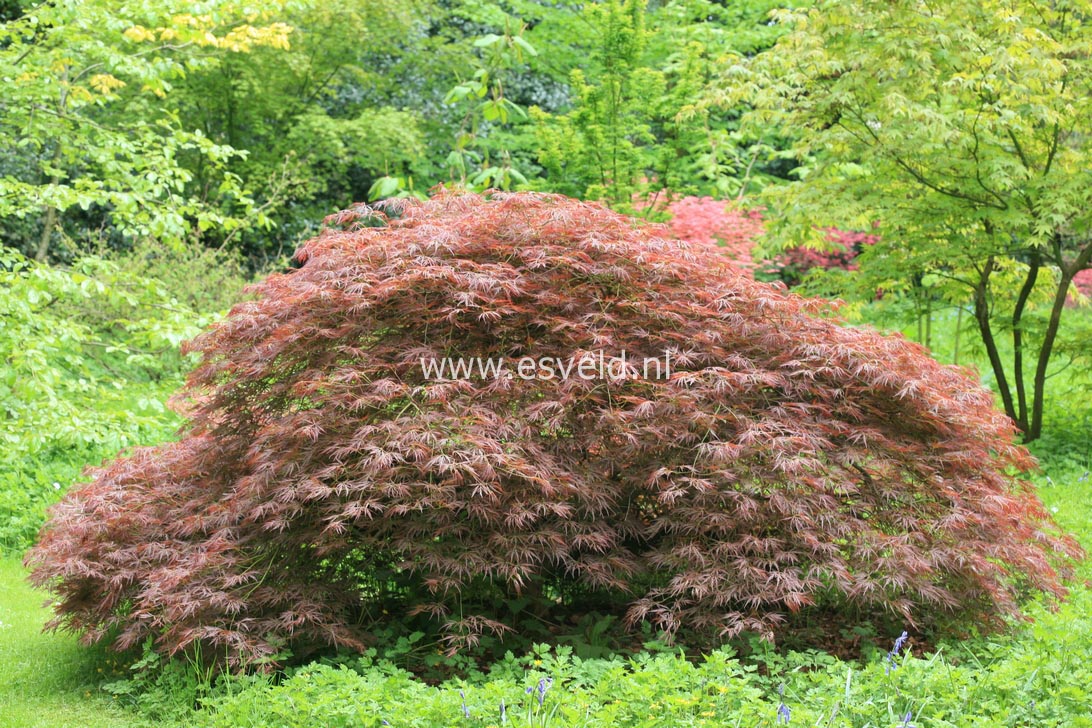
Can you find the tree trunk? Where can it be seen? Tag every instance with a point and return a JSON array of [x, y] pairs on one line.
[[48, 222], [958, 332], [982, 316], [49, 214], [1018, 338], [1048, 339], [929, 322]]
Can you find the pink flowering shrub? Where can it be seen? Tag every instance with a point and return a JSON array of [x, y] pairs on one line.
[[706, 221], [793, 264]]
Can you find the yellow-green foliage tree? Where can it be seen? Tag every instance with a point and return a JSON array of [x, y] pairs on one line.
[[85, 126], [966, 130]]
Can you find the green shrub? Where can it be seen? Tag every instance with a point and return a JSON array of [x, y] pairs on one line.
[[202, 279], [90, 353]]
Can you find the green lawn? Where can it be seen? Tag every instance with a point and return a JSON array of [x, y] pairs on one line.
[[47, 680]]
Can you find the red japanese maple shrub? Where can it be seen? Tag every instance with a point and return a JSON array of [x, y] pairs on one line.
[[705, 221], [792, 265], [787, 463]]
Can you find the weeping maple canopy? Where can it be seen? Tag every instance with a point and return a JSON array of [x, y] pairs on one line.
[[787, 463]]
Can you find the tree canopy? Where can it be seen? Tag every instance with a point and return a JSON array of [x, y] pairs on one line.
[[964, 131]]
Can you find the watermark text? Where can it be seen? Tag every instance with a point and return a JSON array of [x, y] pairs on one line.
[[589, 366]]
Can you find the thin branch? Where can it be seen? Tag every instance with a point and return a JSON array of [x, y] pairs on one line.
[[921, 178]]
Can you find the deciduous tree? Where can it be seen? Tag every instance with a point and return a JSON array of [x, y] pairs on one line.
[[82, 128], [966, 129]]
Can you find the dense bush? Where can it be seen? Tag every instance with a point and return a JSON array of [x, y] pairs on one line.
[[736, 230], [787, 464], [1083, 282]]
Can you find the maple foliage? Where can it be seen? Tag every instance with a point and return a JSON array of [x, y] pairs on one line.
[[735, 230], [703, 220], [841, 250], [788, 463]]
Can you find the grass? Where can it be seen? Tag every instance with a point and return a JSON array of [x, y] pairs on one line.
[[48, 680]]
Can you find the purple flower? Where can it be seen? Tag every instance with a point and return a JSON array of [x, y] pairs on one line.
[[906, 720], [899, 642], [503, 713], [783, 712], [544, 685], [466, 710]]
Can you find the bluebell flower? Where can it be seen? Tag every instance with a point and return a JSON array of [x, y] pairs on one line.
[[891, 664], [783, 712], [503, 713], [906, 720], [544, 685], [466, 710]]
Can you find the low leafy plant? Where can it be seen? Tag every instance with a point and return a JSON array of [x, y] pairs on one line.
[[1026, 679], [787, 463]]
